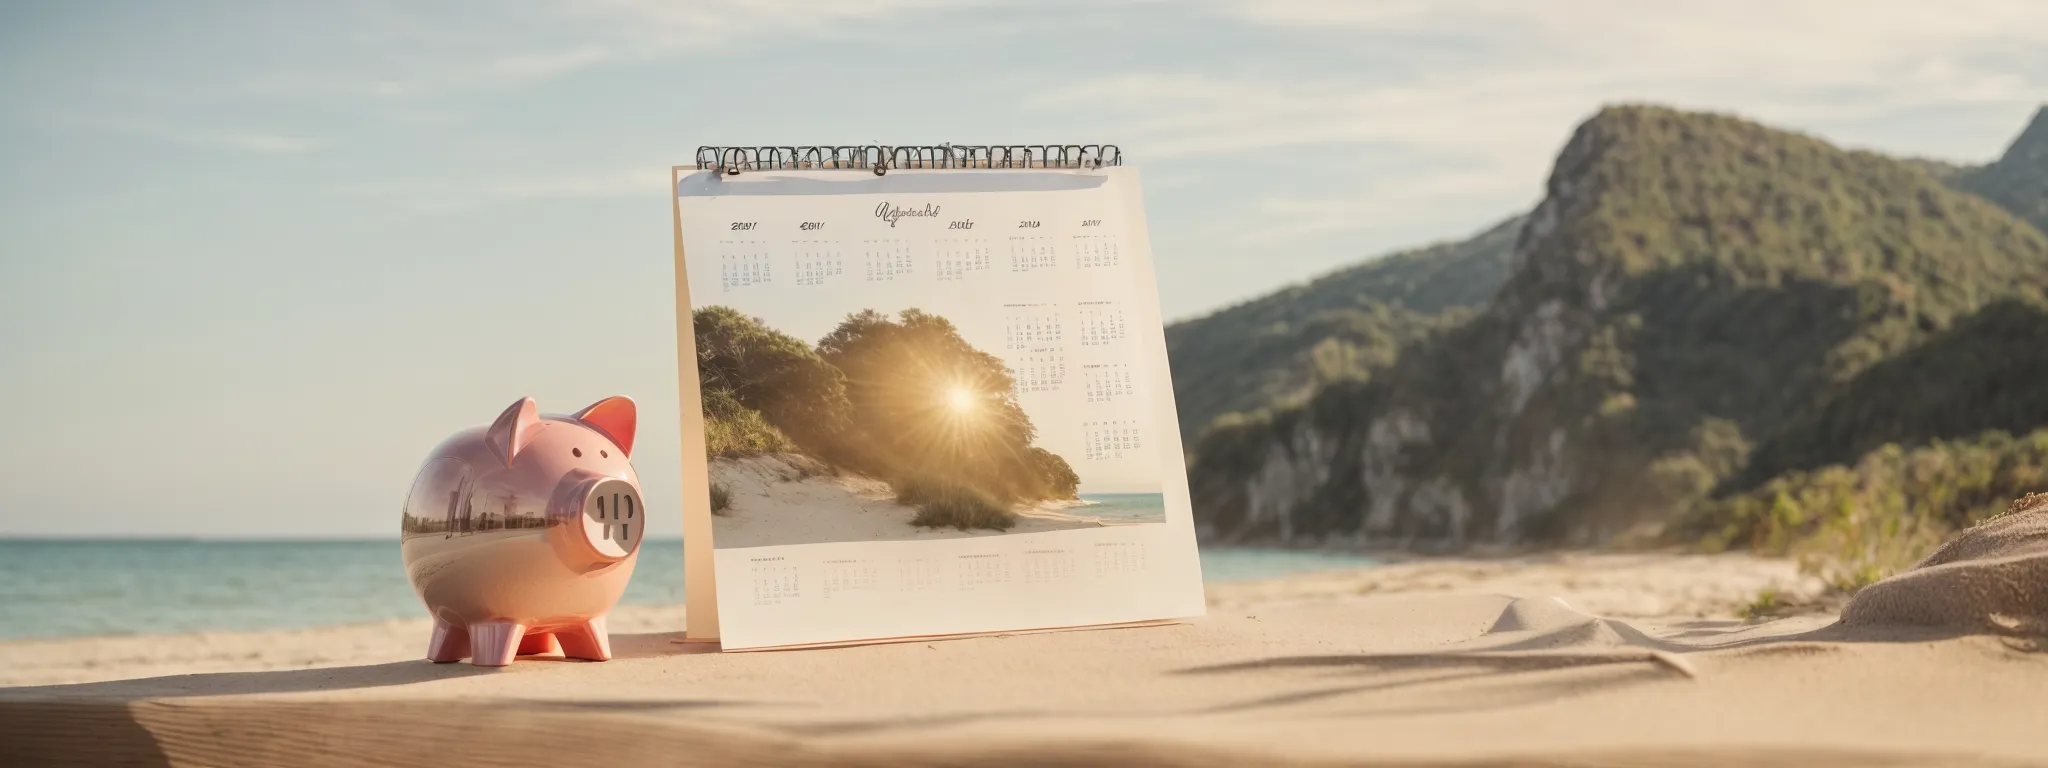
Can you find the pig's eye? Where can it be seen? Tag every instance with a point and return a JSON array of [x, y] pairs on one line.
[[604, 454], [577, 452]]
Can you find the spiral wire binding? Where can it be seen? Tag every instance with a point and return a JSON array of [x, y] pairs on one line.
[[878, 158]]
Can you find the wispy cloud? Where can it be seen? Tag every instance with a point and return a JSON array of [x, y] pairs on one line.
[[1519, 66], [1485, 91], [1823, 54], [1391, 203], [206, 137], [247, 141], [622, 183], [424, 52], [459, 195], [1187, 114]]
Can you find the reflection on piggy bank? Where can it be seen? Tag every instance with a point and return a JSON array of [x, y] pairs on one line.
[[520, 536]]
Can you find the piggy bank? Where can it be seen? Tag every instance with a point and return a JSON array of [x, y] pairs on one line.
[[520, 536]]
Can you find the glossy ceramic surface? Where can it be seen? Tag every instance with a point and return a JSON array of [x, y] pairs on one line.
[[521, 536]]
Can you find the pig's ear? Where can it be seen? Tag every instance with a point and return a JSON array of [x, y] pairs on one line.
[[510, 433], [616, 417]]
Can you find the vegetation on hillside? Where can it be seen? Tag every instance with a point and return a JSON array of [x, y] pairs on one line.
[[1855, 524], [2017, 181], [732, 430], [1985, 372], [753, 376], [1274, 351], [904, 399], [1707, 306]]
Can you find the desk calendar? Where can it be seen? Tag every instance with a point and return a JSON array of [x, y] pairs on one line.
[[929, 400]]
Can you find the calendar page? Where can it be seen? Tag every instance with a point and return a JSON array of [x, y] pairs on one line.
[[930, 403]]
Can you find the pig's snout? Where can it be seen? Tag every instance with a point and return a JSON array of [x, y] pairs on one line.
[[602, 517], [613, 507]]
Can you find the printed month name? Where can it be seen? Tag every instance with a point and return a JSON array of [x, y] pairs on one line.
[[891, 213]]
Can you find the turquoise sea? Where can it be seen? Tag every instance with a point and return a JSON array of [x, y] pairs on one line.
[[57, 588], [1124, 507]]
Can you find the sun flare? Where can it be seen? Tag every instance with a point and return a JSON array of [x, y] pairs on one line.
[[960, 399]]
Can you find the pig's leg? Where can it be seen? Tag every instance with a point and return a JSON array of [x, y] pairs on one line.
[[540, 644], [450, 643], [494, 643], [586, 641]]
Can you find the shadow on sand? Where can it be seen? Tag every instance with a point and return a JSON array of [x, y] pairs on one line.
[[106, 723]]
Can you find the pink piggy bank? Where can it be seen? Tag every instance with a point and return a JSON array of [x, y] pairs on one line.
[[520, 536]]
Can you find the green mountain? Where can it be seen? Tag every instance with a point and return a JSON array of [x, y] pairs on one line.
[[1274, 351], [1699, 304], [2018, 181]]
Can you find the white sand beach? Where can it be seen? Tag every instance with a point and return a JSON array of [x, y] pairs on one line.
[[788, 499], [1572, 659]]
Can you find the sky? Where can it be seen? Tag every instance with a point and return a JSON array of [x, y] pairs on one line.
[[257, 258]]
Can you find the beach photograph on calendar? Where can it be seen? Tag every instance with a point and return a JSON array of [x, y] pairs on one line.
[[894, 426]]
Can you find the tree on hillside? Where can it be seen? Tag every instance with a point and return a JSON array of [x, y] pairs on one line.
[[925, 402], [1060, 480], [772, 373]]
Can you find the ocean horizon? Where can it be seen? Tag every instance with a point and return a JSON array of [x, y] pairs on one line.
[[58, 587], [1123, 507]]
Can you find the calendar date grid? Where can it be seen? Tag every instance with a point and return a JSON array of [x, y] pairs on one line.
[[1107, 383], [817, 262], [1100, 323], [1095, 251], [1111, 439], [744, 264], [886, 260]]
